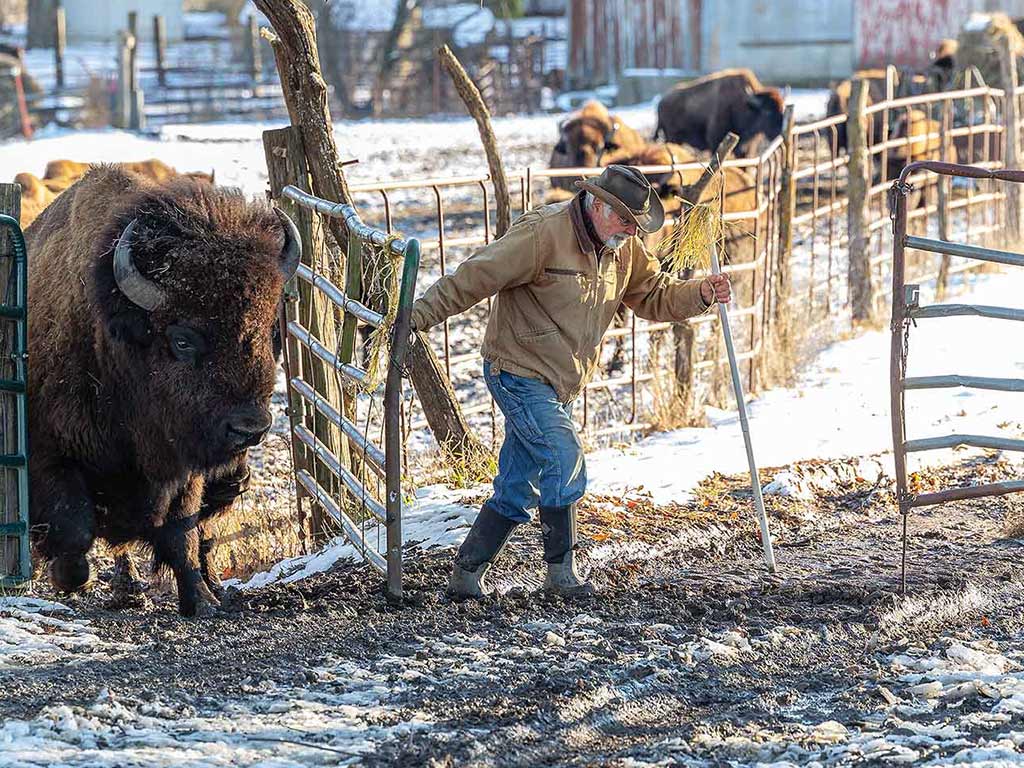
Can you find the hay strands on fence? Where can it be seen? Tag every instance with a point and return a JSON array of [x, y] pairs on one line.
[[696, 238]]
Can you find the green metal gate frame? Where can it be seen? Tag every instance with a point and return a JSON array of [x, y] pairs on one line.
[[18, 312]]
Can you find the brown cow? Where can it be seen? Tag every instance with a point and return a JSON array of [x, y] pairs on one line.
[[700, 112], [585, 138]]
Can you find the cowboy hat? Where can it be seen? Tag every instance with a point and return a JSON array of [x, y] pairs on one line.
[[629, 192]]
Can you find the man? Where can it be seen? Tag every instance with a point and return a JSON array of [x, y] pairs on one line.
[[559, 274]]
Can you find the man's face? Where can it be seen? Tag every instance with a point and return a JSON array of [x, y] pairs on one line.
[[613, 228]]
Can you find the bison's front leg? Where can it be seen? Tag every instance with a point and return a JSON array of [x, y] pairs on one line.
[[63, 521], [176, 545], [219, 496]]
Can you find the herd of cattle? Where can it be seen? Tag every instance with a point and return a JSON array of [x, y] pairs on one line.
[[152, 331]]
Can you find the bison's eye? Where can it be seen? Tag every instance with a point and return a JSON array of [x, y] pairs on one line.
[[187, 345]]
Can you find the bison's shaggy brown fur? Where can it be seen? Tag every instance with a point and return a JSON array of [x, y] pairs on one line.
[[587, 136], [129, 422]]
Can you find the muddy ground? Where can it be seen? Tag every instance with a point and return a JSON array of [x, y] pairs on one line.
[[690, 647]]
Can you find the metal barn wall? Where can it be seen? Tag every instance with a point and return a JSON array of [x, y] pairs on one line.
[[905, 32], [797, 41], [609, 36]]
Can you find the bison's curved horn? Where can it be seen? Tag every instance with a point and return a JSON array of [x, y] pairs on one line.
[[292, 252], [139, 290]]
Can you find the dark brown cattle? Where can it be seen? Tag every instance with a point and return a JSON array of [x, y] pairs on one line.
[[152, 366], [585, 138], [702, 111]]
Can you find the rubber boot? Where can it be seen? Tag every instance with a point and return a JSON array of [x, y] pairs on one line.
[[484, 542], [558, 527]]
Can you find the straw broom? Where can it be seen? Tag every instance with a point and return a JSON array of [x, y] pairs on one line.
[[695, 239]]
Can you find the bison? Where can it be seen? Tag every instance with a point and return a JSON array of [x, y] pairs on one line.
[[586, 137], [151, 340], [702, 111], [35, 196]]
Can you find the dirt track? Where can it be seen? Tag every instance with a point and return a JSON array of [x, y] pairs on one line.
[[683, 652]]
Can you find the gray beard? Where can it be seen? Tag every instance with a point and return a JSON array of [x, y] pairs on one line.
[[615, 241]]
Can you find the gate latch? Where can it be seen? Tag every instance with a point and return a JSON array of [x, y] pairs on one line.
[[911, 296]]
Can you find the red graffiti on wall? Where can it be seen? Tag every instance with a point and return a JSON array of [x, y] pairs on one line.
[[905, 32]]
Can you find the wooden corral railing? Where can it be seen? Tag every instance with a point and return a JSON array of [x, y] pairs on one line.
[[907, 310]]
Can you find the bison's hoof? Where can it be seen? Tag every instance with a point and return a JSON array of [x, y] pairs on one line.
[[202, 603], [70, 573]]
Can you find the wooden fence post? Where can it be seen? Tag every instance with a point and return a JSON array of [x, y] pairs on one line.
[[160, 47], [252, 49], [861, 289], [1008, 64], [287, 164], [122, 111], [60, 33], [10, 546], [781, 278]]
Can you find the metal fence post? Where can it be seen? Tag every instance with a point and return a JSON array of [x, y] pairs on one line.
[[861, 289], [15, 564], [252, 49]]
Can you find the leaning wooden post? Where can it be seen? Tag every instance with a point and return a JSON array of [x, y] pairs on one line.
[[781, 278], [160, 48], [1008, 65], [60, 34], [859, 172], [478, 109], [286, 164]]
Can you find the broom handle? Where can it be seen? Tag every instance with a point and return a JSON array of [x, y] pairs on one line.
[[737, 385], [692, 193]]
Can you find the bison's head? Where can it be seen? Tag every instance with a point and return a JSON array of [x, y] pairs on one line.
[[581, 143], [190, 290], [762, 121]]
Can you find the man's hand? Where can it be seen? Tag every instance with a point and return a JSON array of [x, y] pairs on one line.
[[716, 288]]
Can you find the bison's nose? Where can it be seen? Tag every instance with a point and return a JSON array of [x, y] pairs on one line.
[[244, 429]]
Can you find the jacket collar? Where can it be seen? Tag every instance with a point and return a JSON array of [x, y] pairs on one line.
[[588, 241]]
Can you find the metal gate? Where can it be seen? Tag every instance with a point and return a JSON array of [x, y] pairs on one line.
[[386, 461], [15, 562], [906, 310]]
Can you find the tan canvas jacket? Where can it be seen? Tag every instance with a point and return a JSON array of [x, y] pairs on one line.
[[556, 296]]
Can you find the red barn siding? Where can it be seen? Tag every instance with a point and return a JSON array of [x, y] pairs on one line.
[[905, 32]]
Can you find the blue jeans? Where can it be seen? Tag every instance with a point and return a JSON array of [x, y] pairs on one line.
[[541, 460]]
